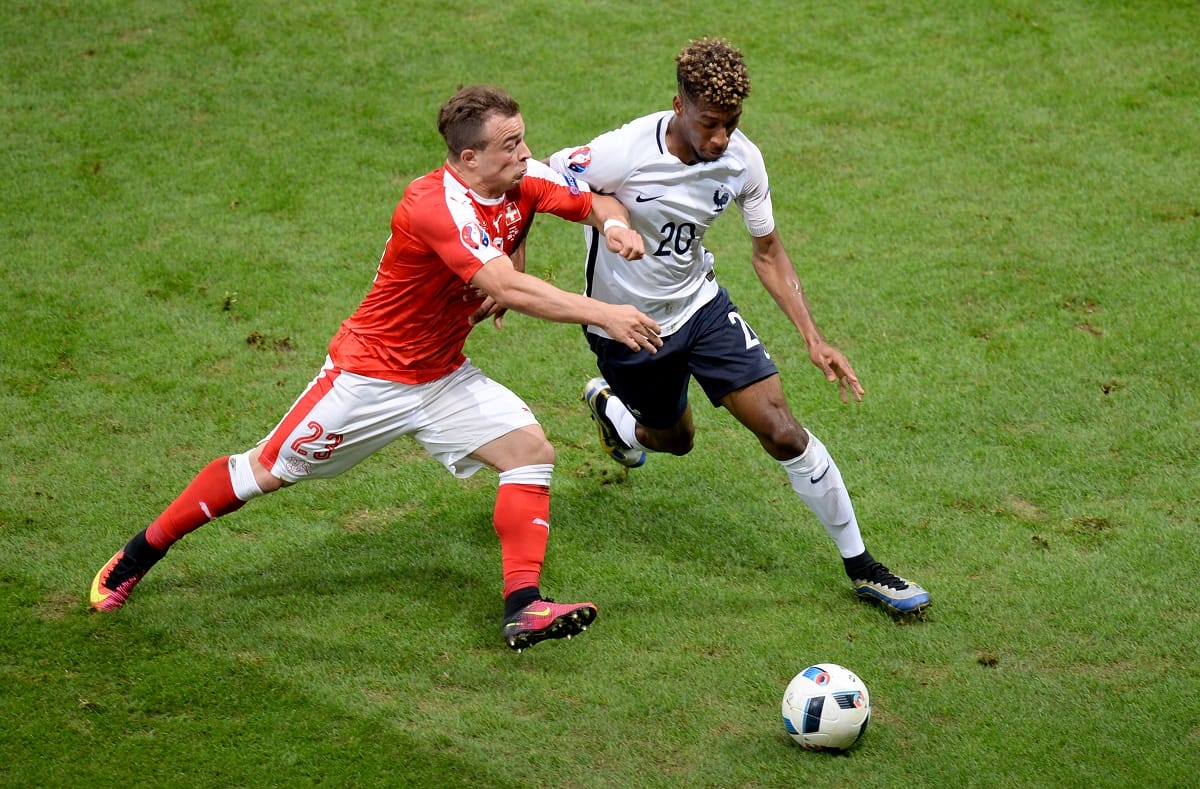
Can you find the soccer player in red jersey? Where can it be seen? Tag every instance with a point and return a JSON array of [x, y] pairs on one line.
[[396, 366]]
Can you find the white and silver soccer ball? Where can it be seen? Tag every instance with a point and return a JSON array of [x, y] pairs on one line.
[[826, 707]]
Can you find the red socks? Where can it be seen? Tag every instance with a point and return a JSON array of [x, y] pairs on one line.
[[209, 496], [522, 521]]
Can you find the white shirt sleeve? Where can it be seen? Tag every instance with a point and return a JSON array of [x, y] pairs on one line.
[[755, 198], [604, 163]]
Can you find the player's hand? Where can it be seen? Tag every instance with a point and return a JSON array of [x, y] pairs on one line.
[[625, 242], [628, 325], [488, 308], [836, 368]]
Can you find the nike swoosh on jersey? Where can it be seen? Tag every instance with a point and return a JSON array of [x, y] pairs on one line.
[[645, 199], [814, 480]]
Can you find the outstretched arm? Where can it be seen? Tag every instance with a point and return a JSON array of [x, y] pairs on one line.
[[512, 289], [608, 216], [611, 218], [489, 308], [778, 275]]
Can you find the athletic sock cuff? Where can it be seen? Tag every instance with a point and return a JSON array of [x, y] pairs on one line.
[[521, 598], [535, 474], [856, 566], [241, 477], [140, 549]]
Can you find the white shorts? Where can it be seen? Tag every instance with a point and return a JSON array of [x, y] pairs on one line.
[[342, 418]]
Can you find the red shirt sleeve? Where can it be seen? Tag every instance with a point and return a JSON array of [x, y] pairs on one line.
[[556, 194]]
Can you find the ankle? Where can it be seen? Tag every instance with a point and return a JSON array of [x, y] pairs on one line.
[[858, 566], [141, 551], [521, 598]]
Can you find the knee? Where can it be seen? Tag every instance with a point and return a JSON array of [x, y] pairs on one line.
[[678, 440], [539, 452], [680, 445], [784, 439], [266, 481]]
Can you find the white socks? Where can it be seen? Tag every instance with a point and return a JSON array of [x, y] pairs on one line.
[[818, 483], [241, 477], [624, 422], [536, 474], [814, 476]]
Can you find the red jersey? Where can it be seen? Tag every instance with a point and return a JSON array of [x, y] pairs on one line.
[[412, 325]]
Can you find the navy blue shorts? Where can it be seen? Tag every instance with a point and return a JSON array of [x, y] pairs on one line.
[[716, 346]]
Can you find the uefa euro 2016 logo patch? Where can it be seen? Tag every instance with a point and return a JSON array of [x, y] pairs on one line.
[[474, 236], [580, 159]]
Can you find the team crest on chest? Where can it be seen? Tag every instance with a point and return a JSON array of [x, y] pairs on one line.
[[721, 197], [507, 224]]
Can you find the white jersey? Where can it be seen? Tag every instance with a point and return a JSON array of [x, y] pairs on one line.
[[671, 205]]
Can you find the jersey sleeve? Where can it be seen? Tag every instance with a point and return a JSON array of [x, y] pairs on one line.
[[451, 228], [603, 163], [755, 198], [556, 193]]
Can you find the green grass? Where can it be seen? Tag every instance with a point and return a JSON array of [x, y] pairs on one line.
[[994, 210]]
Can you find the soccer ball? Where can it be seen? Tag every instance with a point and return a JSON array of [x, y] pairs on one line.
[[826, 707]]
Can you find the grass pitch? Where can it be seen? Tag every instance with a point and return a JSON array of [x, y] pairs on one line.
[[994, 210]]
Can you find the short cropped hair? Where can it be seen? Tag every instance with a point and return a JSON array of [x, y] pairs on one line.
[[713, 70], [462, 118]]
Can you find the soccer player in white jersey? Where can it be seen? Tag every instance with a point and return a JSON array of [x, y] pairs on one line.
[[677, 171]]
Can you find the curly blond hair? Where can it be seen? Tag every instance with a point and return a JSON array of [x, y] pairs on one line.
[[713, 70]]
